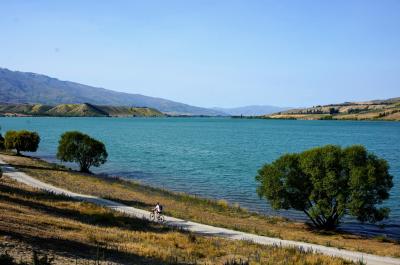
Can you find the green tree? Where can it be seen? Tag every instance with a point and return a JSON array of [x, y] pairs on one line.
[[333, 111], [328, 182], [22, 141], [81, 148]]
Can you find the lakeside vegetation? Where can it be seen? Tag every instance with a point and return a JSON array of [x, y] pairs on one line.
[[327, 183], [82, 149], [64, 231], [388, 110], [218, 213], [76, 110], [21, 141]]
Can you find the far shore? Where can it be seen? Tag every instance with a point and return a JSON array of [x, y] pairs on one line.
[[19, 115]]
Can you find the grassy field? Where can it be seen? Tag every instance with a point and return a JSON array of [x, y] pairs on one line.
[[217, 213], [72, 232]]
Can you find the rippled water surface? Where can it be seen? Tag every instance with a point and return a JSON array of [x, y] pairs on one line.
[[218, 157]]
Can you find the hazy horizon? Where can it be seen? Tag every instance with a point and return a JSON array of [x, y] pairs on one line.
[[212, 54]]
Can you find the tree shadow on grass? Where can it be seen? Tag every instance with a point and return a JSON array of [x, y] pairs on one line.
[[106, 219], [350, 234], [51, 168], [78, 250], [320, 231]]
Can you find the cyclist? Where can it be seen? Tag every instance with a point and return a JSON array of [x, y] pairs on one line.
[[157, 209]]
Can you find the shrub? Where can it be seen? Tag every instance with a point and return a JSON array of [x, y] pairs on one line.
[[22, 141], [81, 148], [328, 182], [333, 111]]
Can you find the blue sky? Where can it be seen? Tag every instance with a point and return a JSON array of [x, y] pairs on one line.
[[211, 53]]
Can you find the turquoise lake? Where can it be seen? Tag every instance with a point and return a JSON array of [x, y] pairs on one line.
[[219, 157]]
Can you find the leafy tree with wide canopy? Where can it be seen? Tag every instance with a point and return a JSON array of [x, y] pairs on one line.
[[328, 182], [81, 148], [21, 141]]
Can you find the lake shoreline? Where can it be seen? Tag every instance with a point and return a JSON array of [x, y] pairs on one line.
[[194, 208], [18, 115], [347, 226], [71, 232]]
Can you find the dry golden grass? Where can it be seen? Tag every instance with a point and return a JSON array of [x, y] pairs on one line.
[[82, 233], [394, 116], [388, 111], [196, 209], [298, 116], [391, 114]]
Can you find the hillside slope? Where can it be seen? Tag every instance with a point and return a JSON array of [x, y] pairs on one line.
[[22, 87], [76, 110], [388, 109]]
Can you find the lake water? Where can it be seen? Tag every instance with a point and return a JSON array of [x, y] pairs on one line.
[[219, 157]]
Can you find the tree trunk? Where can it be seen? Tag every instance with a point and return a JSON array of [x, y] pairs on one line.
[[85, 170], [321, 222]]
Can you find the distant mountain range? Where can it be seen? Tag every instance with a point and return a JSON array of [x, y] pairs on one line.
[[23, 87], [76, 110], [254, 110]]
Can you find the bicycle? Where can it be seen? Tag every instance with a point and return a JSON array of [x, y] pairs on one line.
[[157, 217]]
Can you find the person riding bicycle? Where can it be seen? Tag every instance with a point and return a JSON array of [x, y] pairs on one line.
[[157, 209]]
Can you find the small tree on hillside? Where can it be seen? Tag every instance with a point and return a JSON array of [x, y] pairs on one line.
[[81, 148], [22, 141], [328, 182]]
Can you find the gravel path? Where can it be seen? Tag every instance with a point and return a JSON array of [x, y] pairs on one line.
[[201, 228]]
